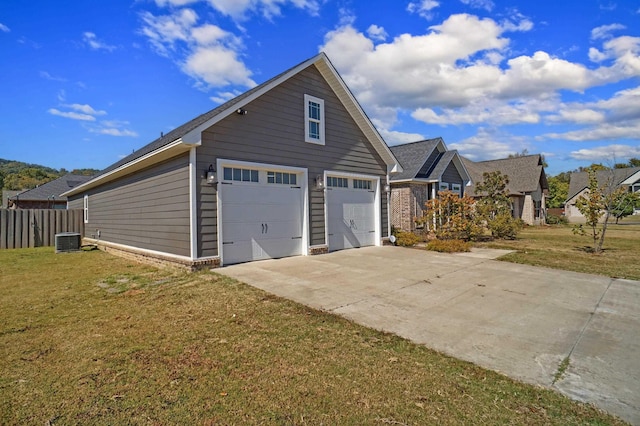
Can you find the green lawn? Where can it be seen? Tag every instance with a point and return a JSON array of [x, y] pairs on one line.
[[87, 338], [557, 247]]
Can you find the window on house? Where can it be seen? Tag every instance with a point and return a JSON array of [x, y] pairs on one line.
[[240, 175], [282, 178], [337, 182], [537, 207], [314, 120], [86, 209], [456, 188], [361, 184], [443, 186]]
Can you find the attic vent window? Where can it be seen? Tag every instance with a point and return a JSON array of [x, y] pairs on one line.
[[313, 120]]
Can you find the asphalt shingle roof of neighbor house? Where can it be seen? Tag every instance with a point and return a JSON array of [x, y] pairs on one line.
[[51, 189], [412, 156], [580, 180], [524, 173]]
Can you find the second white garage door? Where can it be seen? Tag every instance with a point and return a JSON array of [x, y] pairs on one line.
[[351, 218], [260, 219]]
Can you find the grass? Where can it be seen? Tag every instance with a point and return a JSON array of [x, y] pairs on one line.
[[557, 247], [87, 338]]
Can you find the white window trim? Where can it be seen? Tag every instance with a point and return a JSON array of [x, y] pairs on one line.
[[86, 209], [443, 186], [307, 119]]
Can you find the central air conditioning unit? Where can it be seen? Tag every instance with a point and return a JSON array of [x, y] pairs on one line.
[[67, 241]]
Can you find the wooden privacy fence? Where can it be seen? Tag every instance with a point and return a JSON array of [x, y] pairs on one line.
[[37, 228]]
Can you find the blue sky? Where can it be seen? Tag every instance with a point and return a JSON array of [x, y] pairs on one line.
[[85, 83]]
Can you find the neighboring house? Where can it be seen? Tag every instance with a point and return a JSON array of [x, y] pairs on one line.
[[527, 186], [48, 195], [291, 167], [428, 167], [615, 178]]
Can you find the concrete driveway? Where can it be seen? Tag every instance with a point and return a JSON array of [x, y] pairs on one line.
[[520, 320]]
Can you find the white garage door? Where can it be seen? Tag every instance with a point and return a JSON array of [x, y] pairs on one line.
[[350, 213], [261, 215]]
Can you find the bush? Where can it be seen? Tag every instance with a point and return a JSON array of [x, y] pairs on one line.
[[449, 246], [505, 226], [557, 220], [406, 239]]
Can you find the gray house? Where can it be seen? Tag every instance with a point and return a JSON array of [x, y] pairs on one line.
[[48, 195], [291, 167], [428, 167], [608, 179], [527, 185]]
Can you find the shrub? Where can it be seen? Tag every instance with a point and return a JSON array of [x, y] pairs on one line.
[[505, 226], [406, 239], [449, 246], [557, 220]]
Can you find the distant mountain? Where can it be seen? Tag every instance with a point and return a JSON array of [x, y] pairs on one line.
[[16, 175]]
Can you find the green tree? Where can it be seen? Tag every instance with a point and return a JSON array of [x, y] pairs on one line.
[[600, 200], [634, 162], [624, 204], [494, 205], [558, 192]]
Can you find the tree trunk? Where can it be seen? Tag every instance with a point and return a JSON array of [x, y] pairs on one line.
[[604, 231]]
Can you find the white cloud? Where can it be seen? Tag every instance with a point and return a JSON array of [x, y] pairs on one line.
[[458, 72], [206, 52], [603, 32], [93, 42], [393, 137], [489, 144], [423, 8], [163, 3], [222, 97], [479, 4], [112, 128], [48, 76], [4, 28], [114, 132], [85, 109], [377, 33], [613, 151], [240, 9], [71, 114]]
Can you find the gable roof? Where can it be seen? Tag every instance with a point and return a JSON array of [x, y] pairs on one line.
[[54, 188], [524, 173], [188, 135], [413, 155], [578, 181]]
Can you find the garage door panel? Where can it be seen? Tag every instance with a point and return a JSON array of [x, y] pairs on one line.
[[260, 221], [350, 218]]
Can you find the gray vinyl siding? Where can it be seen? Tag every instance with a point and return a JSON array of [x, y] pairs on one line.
[[451, 174], [272, 132], [149, 209]]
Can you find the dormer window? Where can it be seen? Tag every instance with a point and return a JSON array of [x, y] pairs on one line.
[[313, 120]]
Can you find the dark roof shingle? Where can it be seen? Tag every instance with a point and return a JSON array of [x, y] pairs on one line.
[[412, 157], [580, 180], [52, 189], [524, 173]]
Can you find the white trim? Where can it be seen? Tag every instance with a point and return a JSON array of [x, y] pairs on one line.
[[418, 181], [86, 208], [376, 201], [135, 249], [308, 119], [193, 203], [303, 184], [631, 179]]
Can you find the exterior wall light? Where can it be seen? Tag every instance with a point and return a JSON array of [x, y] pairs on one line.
[[241, 111], [211, 175], [319, 183], [387, 188]]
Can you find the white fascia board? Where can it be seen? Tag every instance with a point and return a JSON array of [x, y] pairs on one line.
[[338, 85], [420, 181], [631, 179], [164, 153], [460, 166]]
